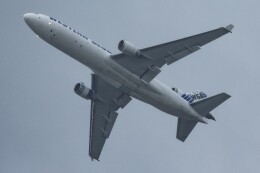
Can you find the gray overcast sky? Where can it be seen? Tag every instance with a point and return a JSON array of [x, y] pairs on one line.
[[44, 126]]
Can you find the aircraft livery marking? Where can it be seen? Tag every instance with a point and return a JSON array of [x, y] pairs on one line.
[[194, 96], [80, 34]]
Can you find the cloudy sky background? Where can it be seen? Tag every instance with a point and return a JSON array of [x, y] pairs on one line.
[[44, 126]]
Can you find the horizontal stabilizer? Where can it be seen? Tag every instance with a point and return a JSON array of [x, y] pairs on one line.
[[184, 128], [205, 106], [229, 27]]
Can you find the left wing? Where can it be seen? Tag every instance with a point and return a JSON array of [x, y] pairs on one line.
[[148, 63], [108, 100]]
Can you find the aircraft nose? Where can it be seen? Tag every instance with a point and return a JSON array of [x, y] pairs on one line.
[[31, 19], [27, 17]]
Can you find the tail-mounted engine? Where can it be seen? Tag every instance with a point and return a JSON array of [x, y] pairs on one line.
[[84, 91], [128, 48]]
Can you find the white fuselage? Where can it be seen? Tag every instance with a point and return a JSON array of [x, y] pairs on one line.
[[99, 60]]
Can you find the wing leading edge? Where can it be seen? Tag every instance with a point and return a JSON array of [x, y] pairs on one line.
[[103, 113]]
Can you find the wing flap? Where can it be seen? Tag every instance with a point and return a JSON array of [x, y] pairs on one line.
[[103, 113], [98, 131], [110, 121], [122, 100], [178, 55], [150, 73]]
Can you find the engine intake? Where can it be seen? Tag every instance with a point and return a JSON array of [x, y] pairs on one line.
[[128, 48], [84, 91]]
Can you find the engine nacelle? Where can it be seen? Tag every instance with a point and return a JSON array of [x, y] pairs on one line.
[[128, 48], [84, 91]]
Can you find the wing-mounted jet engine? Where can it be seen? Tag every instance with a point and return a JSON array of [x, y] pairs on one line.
[[84, 91], [149, 71], [128, 48]]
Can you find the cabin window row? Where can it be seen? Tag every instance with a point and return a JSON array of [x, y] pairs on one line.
[[79, 34]]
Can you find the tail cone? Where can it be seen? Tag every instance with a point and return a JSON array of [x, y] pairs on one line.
[[209, 116]]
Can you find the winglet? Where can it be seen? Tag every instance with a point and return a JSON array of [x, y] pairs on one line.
[[229, 27]]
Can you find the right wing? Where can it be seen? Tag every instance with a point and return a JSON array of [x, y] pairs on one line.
[[103, 113], [147, 66]]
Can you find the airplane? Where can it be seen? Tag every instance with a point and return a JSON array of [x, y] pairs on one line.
[[117, 78]]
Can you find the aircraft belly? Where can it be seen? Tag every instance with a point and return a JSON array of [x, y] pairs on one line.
[[154, 93], [163, 99]]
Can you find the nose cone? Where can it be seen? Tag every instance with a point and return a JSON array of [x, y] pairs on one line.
[[27, 17], [32, 20]]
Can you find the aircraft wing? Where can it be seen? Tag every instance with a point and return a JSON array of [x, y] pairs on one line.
[[103, 113], [153, 58]]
